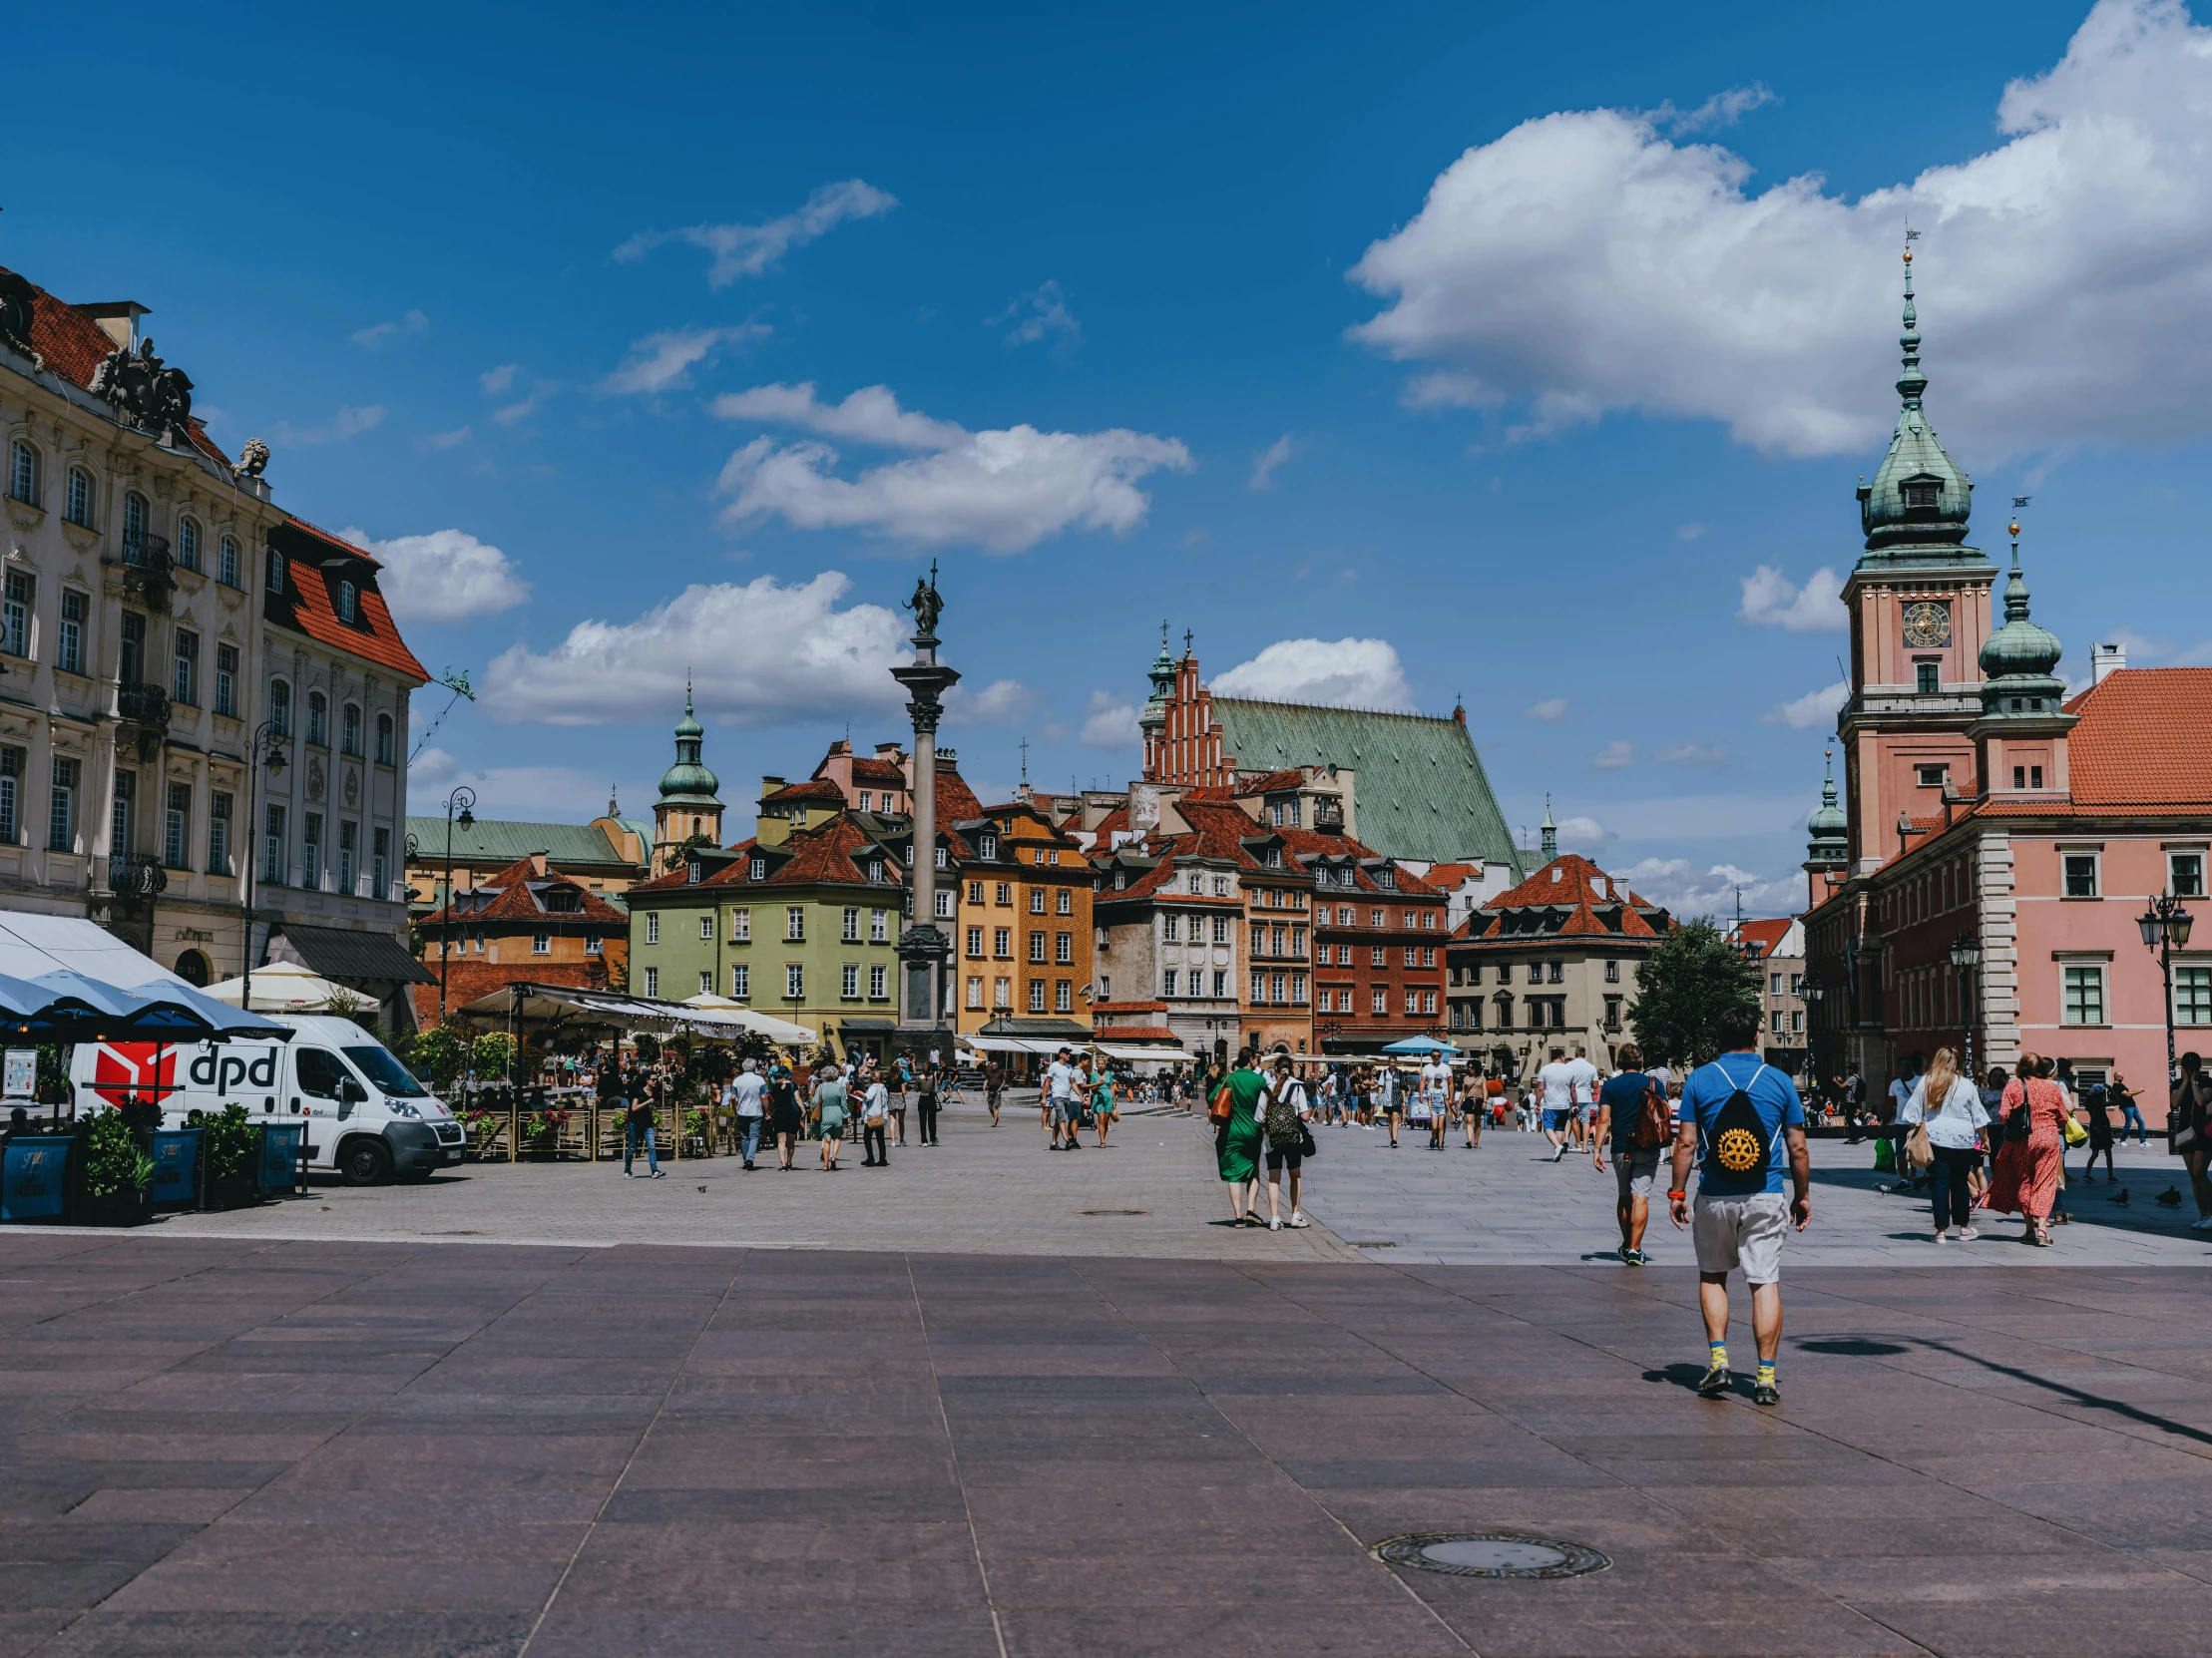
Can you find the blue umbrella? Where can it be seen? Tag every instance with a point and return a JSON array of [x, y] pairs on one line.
[[1419, 1044], [66, 1006]]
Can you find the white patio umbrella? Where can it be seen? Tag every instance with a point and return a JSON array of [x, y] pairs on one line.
[[289, 988], [719, 1009]]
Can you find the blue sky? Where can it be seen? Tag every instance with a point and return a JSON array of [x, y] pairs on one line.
[[563, 313]]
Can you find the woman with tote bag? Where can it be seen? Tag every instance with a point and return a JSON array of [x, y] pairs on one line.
[[1949, 1135]]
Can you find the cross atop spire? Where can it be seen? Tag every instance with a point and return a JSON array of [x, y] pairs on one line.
[[1188, 636]]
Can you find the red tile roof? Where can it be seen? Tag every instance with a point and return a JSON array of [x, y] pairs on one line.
[[1578, 882], [1767, 934], [878, 771], [1270, 782], [517, 894], [1584, 890], [818, 789], [956, 801], [2145, 740], [1154, 1006], [310, 605]]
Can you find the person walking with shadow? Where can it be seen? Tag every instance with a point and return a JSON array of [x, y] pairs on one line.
[[830, 1108], [643, 1097], [931, 1079], [1948, 1107], [1234, 1109], [875, 1113], [1633, 1116]]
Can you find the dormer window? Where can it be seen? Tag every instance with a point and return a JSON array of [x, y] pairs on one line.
[[692, 872], [1120, 880], [988, 846], [942, 858], [1274, 857], [348, 603], [1387, 879], [1920, 493], [908, 854], [758, 871]]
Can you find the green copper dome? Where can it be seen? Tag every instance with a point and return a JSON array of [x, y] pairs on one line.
[[688, 782], [1829, 829], [1919, 496], [2019, 657], [1163, 680]]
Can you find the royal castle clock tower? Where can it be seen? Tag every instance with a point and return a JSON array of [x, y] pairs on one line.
[[1919, 607]]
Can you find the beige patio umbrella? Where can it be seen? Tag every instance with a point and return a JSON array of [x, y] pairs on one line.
[[289, 988]]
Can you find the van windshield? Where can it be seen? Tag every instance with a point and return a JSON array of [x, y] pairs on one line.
[[378, 1064]]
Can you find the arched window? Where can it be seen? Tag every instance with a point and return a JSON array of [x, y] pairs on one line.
[[383, 739], [77, 508], [276, 571], [23, 472], [348, 606], [227, 563], [188, 543], [280, 707], [134, 528], [349, 730], [318, 720]]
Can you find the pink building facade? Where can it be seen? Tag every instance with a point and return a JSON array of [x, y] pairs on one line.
[[1982, 806]]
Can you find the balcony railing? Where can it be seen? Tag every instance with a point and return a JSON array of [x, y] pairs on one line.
[[137, 875], [143, 705]]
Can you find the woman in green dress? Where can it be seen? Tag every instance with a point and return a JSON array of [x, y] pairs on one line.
[[1101, 1098], [1237, 1135]]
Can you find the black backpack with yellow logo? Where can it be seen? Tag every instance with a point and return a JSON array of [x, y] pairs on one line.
[[1738, 1145]]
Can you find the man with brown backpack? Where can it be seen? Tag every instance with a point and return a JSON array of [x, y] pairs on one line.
[[1634, 1114]]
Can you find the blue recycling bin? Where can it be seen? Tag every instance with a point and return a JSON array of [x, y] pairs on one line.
[[281, 1151], [175, 1167], [34, 1177]]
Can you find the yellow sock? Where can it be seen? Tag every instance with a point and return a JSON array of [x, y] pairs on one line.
[[1719, 1359], [1766, 1372]]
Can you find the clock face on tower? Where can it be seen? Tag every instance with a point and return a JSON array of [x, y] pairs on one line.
[[1927, 625]]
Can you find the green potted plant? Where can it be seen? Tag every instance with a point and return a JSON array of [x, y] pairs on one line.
[[118, 1171], [234, 1146]]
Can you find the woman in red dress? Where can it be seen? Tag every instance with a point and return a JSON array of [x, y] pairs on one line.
[[2025, 1180]]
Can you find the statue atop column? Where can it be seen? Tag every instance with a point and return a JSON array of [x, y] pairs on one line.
[[927, 604]]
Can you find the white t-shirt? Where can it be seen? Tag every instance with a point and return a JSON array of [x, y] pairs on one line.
[[1901, 1092], [747, 1090], [1436, 1077], [1582, 1080], [1557, 1079], [1060, 1080]]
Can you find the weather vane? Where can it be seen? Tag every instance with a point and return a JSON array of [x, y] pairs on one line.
[[2018, 501]]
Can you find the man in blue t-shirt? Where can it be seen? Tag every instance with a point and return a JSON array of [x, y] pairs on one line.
[[1621, 1112], [1742, 1122]]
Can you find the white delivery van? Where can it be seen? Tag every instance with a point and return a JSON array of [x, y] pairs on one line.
[[366, 1116]]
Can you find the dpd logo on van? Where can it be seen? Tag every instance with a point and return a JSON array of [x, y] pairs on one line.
[[120, 1069]]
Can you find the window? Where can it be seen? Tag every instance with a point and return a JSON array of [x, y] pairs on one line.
[[1002, 995], [1924, 674], [942, 899], [541, 944], [1004, 894], [1064, 903], [272, 845], [794, 981], [227, 679], [939, 859], [1170, 926], [2185, 874], [1796, 984], [794, 923], [11, 795], [349, 607], [1797, 1019], [987, 847], [2081, 874], [1918, 492], [1375, 918], [380, 859], [1036, 901], [76, 505], [975, 943], [188, 544], [975, 993], [2192, 996], [1220, 983], [1774, 984], [1613, 1013], [131, 652], [218, 833], [1167, 982], [1221, 930], [226, 562], [76, 606], [1037, 947], [185, 677], [1931, 777], [23, 472], [1535, 972], [311, 850], [652, 980], [275, 572], [1558, 973], [1001, 941], [318, 720], [848, 980], [1427, 1002], [707, 925], [384, 736], [2084, 995], [1036, 996], [1276, 984], [1411, 955], [653, 929], [879, 926], [134, 528], [349, 730], [1387, 879], [1378, 956], [1381, 1000], [121, 814], [975, 892], [1064, 997], [851, 930], [1063, 948], [757, 870], [741, 982], [176, 823], [740, 927], [280, 707], [1413, 1002], [1774, 1021]]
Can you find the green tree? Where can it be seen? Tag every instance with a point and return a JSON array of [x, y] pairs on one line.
[[1683, 989], [439, 1053]]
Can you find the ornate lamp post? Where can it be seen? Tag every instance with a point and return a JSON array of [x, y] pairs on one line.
[[462, 801], [2165, 928], [1966, 957], [266, 748], [924, 948]]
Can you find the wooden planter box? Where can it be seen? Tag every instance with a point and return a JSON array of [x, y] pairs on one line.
[[128, 1208]]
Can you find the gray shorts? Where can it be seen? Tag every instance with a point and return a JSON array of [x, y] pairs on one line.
[[1746, 1232], [1635, 1170], [1067, 1110]]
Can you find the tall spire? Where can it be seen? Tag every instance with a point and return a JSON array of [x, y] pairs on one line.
[[2018, 659], [1911, 383], [1551, 832], [1829, 831]]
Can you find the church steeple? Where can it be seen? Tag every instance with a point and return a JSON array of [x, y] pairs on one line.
[[1551, 831], [689, 807], [1917, 507]]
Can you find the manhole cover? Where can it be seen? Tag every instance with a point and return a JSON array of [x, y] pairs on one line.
[[1373, 1243], [1489, 1554], [1113, 1211]]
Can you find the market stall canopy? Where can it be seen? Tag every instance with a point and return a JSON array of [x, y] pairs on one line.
[[577, 1008], [65, 979], [288, 988], [715, 1009], [1130, 1051]]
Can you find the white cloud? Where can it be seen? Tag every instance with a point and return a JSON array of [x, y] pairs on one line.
[[1724, 109], [496, 381], [1338, 673], [1690, 531], [446, 576], [383, 334], [1814, 708], [1698, 756], [448, 440], [749, 250], [1613, 756], [1110, 723], [1005, 491], [1772, 600], [1281, 452], [1042, 311], [1584, 834], [559, 794], [1001, 703], [1585, 262], [759, 653], [1551, 711], [663, 361], [1687, 893], [513, 413], [349, 422]]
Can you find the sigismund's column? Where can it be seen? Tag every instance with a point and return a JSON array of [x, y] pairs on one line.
[[924, 946]]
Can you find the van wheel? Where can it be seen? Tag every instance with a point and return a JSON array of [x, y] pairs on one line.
[[365, 1163]]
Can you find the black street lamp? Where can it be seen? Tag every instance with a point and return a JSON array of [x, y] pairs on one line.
[[2165, 928], [1966, 957], [462, 801], [266, 748]]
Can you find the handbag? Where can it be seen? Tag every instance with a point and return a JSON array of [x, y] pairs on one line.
[[1220, 1105], [1920, 1152], [1306, 1145], [2075, 1134]]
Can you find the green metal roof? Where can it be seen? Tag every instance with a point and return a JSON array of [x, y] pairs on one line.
[[1419, 790], [502, 841]]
